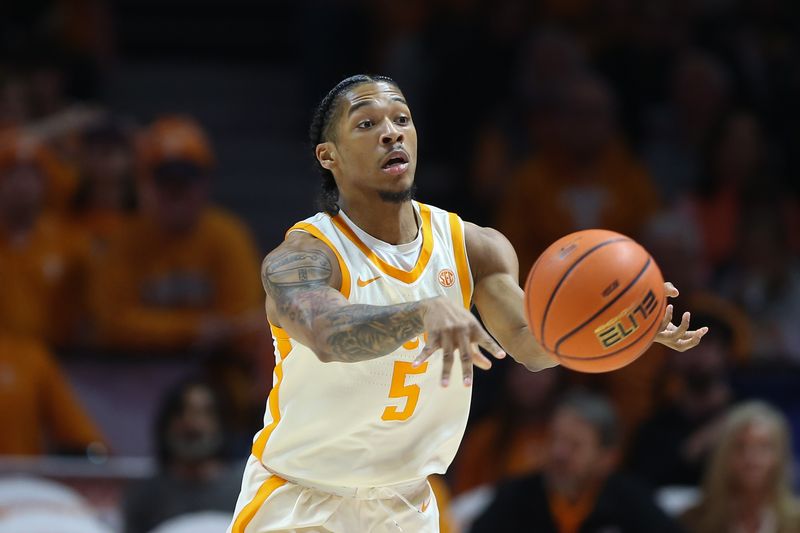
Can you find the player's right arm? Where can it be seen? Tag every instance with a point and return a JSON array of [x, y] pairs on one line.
[[301, 278]]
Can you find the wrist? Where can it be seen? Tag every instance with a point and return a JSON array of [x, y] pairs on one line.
[[427, 304]]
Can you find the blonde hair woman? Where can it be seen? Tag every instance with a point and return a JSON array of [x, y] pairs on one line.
[[747, 483]]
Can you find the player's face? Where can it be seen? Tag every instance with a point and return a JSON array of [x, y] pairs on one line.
[[375, 143]]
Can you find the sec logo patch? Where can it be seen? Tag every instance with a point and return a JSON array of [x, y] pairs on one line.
[[447, 277]]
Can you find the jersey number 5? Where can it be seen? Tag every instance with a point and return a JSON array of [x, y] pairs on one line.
[[399, 389]]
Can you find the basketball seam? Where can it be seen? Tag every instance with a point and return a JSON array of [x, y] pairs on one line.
[[606, 355], [606, 306], [564, 277]]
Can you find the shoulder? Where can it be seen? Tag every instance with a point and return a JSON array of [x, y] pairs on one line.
[[489, 252], [301, 254]]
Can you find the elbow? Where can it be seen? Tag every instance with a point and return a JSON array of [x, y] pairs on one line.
[[325, 356], [321, 347]]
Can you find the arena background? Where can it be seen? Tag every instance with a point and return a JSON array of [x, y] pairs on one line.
[[673, 121]]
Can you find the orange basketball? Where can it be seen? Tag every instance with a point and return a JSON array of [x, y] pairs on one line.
[[594, 300]]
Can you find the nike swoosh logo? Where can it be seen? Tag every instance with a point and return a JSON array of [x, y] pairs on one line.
[[425, 505], [364, 283]]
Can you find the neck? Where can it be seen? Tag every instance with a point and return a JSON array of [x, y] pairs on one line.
[[394, 223], [750, 503]]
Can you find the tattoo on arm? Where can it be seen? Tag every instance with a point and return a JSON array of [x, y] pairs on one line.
[[360, 332], [298, 282]]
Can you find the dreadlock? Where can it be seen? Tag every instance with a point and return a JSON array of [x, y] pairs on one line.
[[320, 131]]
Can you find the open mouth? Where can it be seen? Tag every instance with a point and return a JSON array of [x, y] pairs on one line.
[[396, 163]]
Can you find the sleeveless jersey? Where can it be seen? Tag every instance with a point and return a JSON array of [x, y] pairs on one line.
[[378, 422]]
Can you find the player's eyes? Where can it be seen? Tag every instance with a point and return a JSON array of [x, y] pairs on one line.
[[365, 124], [402, 120]]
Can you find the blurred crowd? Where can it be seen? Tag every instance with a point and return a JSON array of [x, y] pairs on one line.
[[672, 121]]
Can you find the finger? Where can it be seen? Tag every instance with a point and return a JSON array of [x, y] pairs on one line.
[[480, 360], [683, 327], [670, 290], [447, 359], [667, 318], [482, 338], [693, 340], [431, 346], [466, 361]]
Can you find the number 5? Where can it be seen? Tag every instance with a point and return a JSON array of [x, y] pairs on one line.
[[399, 389]]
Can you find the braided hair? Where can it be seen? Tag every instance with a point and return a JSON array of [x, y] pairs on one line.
[[320, 131]]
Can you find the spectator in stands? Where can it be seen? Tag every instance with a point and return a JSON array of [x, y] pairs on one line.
[[510, 440], [43, 263], [585, 178], [182, 275], [734, 168], [193, 474], [578, 489], [106, 195], [37, 406], [670, 447], [524, 122], [747, 485], [678, 130], [765, 281]]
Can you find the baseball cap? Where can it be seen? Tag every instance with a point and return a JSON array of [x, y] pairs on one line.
[[175, 148]]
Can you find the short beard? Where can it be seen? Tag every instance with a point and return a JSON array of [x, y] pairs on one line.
[[399, 197]]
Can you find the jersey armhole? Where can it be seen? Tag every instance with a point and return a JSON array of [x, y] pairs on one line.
[[315, 232]]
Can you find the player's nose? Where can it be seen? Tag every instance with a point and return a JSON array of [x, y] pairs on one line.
[[392, 135]]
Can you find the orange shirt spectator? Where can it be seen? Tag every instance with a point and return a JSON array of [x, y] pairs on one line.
[[583, 178], [106, 196], [37, 406], [154, 291], [550, 197], [42, 262], [181, 275]]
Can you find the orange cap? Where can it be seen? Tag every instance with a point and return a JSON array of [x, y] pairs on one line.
[[175, 138]]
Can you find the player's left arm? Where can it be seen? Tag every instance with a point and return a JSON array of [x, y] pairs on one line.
[[498, 296], [500, 301]]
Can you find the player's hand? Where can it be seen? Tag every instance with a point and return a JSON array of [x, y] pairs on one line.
[[679, 337], [453, 329]]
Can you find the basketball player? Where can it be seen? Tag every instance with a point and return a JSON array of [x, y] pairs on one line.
[[369, 305]]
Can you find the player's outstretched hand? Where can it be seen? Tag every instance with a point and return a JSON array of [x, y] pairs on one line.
[[453, 329], [679, 337]]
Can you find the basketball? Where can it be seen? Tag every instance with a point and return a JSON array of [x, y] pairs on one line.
[[594, 300]]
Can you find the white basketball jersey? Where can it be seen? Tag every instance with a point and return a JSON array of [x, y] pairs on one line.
[[377, 422]]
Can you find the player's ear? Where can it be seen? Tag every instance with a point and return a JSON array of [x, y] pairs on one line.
[[326, 155]]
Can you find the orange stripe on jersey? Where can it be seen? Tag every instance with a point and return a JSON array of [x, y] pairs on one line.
[[284, 348], [386, 268], [247, 513], [310, 228], [460, 253]]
